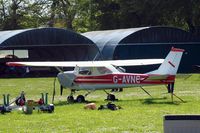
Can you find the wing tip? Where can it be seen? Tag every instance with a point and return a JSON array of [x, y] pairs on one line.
[[13, 64], [177, 49]]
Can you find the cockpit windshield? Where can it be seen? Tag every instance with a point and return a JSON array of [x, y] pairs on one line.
[[103, 70], [85, 71]]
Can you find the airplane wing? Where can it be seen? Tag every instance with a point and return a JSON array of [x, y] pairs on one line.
[[136, 62]]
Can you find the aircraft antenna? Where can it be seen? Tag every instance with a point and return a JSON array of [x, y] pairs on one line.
[[99, 54]]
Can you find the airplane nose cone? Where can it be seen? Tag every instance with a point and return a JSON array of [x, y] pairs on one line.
[[66, 79]]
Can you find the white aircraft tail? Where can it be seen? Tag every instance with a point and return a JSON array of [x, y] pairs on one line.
[[171, 63]]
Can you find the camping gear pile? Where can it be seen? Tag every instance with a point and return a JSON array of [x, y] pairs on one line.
[[5, 108], [41, 105], [110, 105], [27, 106]]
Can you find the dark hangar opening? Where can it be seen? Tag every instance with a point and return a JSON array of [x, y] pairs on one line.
[[43, 44]]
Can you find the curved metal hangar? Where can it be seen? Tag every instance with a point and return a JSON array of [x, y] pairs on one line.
[[147, 42], [44, 44]]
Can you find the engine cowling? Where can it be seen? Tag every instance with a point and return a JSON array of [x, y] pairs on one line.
[[66, 79]]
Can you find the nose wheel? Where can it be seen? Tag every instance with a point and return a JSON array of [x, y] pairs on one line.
[[79, 98], [70, 99]]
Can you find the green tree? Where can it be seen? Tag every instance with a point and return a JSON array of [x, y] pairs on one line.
[[86, 15], [73, 14], [11, 13], [137, 13]]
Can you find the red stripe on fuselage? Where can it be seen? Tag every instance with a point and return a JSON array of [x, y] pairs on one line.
[[124, 79], [112, 78]]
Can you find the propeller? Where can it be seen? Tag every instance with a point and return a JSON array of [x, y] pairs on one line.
[[61, 90], [54, 84], [54, 89]]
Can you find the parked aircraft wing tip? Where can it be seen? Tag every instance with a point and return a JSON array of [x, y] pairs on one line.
[[13, 64]]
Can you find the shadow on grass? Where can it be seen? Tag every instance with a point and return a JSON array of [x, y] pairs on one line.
[[64, 103], [162, 100], [60, 103], [147, 101]]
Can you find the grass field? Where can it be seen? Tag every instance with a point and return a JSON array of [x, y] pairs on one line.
[[140, 113]]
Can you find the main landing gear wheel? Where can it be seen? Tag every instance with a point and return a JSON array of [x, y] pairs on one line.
[[80, 99], [70, 99], [111, 97]]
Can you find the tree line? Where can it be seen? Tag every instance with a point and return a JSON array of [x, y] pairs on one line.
[[87, 15]]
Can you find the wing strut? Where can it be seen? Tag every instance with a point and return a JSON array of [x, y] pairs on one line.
[[178, 98]]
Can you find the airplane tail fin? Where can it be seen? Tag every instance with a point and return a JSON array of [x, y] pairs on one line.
[[171, 63]]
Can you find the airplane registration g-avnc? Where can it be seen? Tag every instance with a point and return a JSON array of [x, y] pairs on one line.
[[102, 75]]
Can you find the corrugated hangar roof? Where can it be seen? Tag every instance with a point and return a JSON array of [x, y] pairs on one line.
[[4, 35], [49, 44], [41, 37], [109, 37], [108, 40]]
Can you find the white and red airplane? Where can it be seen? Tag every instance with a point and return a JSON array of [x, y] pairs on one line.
[[102, 75]]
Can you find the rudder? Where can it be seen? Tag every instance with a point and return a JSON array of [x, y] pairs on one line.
[[171, 63]]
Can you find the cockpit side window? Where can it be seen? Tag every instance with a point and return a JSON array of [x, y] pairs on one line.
[[103, 70]]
